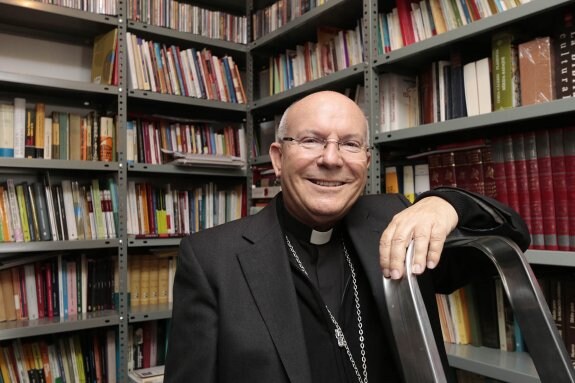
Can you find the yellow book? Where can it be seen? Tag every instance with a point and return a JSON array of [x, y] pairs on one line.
[[103, 57], [39, 132], [23, 212], [79, 358], [153, 275], [145, 280], [163, 280], [391, 180], [4, 367], [135, 271], [8, 294]]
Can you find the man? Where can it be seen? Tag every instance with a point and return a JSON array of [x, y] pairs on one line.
[[294, 293]]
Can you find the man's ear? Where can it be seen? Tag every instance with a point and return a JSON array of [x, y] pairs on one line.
[[276, 157]]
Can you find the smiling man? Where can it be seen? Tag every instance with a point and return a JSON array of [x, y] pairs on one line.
[[294, 293]]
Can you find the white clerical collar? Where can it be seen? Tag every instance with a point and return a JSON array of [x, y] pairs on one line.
[[320, 237]]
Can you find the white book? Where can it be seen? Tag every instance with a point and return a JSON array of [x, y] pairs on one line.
[[14, 211], [132, 222], [425, 15], [187, 73], [148, 67], [31, 296], [60, 287], [384, 104], [69, 210], [19, 127], [471, 89], [483, 72], [131, 62], [194, 73], [84, 281], [6, 130], [47, 138]]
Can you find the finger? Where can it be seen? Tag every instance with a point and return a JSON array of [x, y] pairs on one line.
[[420, 252], [385, 250], [436, 242], [399, 245]]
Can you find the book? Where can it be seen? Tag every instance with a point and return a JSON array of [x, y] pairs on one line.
[[562, 219], [564, 37], [535, 197], [19, 127], [545, 175], [537, 71], [471, 88], [569, 152], [483, 73], [6, 130], [103, 57], [153, 374], [505, 72]]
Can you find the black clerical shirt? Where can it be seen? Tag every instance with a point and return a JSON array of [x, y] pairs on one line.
[[329, 283]]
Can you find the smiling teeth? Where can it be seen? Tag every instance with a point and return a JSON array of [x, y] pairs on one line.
[[328, 183]]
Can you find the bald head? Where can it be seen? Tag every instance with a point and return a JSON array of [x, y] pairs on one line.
[[321, 102]]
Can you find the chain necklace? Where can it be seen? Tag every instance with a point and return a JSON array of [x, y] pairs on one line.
[[341, 342]]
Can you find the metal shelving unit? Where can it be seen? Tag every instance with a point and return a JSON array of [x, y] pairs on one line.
[[60, 23]]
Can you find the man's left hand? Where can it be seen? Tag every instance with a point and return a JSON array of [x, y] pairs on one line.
[[427, 222]]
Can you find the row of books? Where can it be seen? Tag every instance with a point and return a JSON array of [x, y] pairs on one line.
[[335, 49], [35, 132], [532, 171], [104, 7], [151, 278], [169, 70], [148, 342], [166, 211], [188, 18], [278, 14], [88, 356], [412, 21], [480, 313], [152, 141], [40, 211], [60, 286], [516, 74]]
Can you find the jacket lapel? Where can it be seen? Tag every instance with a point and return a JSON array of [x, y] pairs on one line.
[[267, 271]]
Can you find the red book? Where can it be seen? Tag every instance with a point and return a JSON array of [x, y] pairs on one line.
[[23, 298], [569, 148], [537, 230], [520, 161], [404, 13], [559, 187], [40, 289], [49, 289], [490, 186], [546, 188]]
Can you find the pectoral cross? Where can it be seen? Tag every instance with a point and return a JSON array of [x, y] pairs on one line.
[[340, 338]]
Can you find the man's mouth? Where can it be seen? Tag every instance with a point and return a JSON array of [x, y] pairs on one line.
[[327, 183]]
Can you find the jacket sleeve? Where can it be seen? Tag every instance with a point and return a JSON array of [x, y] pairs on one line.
[[481, 215], [478, 215]]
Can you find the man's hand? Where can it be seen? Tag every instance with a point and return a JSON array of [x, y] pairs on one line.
[[428, 222]]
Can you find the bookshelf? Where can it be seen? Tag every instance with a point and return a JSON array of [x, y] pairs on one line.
[[71, 27]]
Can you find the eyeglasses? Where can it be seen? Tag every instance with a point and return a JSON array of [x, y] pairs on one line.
[[316, 144]]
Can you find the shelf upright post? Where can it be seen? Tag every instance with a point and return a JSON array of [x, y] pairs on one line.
[[371, 82], [123, 301], [250, 97]]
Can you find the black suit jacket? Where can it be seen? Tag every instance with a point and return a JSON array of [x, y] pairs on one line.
[[235, 313]]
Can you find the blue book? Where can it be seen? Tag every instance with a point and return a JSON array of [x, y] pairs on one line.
[[177, 63], [229, 81]]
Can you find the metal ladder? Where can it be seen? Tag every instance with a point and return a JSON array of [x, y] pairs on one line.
[[415, 343]]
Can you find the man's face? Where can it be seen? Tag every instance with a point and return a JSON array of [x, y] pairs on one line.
[[320, 186]]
